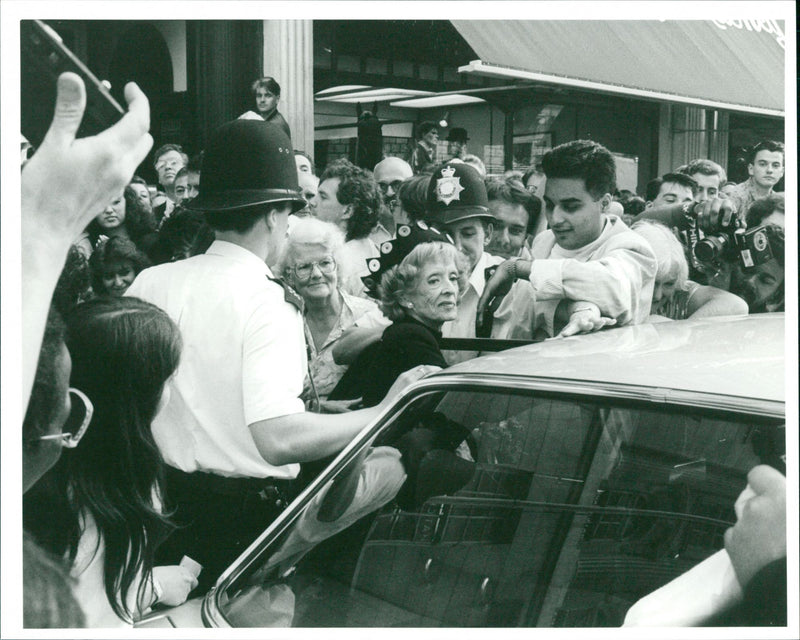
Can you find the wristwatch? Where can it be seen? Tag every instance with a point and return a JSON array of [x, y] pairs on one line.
[[514, 268]]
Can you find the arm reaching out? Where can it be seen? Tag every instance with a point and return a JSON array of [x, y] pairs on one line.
[[582, 317], [301, 437], [66, 183]]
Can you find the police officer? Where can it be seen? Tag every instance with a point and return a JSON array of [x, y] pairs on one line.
[[458, 205], [233, 429]]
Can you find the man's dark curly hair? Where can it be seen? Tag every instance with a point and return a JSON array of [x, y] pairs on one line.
[[653, 187], [358, 188], [413, 194], [762, 208], [584, 159]]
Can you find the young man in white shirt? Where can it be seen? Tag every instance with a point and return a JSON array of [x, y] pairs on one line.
[[588, 268]]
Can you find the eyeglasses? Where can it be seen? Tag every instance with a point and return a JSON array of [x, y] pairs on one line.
[[394, 185], [80, 416], [163, 164], [304, 271]]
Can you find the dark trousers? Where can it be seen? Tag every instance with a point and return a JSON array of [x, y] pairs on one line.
[[217, 518]]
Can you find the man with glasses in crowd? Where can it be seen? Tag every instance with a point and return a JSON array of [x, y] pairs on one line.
[[168, 160], [389, 173]]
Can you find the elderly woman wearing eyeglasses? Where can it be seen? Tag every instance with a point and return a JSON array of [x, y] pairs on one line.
[[312, 264], [419, 278]]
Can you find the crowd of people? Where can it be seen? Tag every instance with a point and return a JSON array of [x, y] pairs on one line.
[[193, 349]]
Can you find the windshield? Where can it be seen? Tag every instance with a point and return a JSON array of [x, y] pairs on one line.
[[505, 508]]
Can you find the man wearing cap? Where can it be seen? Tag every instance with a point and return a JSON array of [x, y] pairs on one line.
[[588, 269], [458, 205], [233, 428], [457, 137]]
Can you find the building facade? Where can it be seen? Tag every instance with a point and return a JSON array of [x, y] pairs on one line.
[[490, 78]]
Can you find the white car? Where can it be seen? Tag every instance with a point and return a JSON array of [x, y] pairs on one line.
[[574, 476]]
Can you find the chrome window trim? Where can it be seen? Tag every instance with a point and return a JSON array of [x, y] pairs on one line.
[[211, 612]]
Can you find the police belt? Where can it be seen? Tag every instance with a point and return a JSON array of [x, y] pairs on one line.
[[202, 482]]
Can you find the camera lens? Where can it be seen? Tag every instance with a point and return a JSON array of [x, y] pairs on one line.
[[710, 248]]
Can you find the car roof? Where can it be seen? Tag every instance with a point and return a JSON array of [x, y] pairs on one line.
[[736, 356]]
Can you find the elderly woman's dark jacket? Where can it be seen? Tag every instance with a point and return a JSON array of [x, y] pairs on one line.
[[405, 344]]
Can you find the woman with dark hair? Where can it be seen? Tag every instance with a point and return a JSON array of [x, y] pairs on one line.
[[47, 599], [124, 216], [114, 264], [104, 494]]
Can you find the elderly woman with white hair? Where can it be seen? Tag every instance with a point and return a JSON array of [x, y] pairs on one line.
[[312, 264], [676, 297], [420, 277]]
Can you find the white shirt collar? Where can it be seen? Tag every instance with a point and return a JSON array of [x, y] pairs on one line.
[[611, 224], [239, 254], [477, 279]]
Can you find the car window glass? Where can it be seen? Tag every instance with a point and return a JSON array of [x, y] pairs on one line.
[[505, 508]]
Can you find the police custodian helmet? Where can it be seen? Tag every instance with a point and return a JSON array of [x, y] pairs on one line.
[[247, 163], [455, 192]]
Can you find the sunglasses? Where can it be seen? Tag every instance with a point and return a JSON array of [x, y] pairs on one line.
[[80, 416], [395, 185]]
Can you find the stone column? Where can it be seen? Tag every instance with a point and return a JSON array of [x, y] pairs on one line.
[[288, 57], [223, 58]]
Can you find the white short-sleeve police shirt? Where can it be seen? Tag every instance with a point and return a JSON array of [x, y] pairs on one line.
[[243, 360]]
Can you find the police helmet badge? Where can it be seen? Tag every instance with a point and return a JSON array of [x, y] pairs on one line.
[[448, 187]]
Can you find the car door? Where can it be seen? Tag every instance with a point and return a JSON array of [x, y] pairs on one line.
[[535, 508]]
